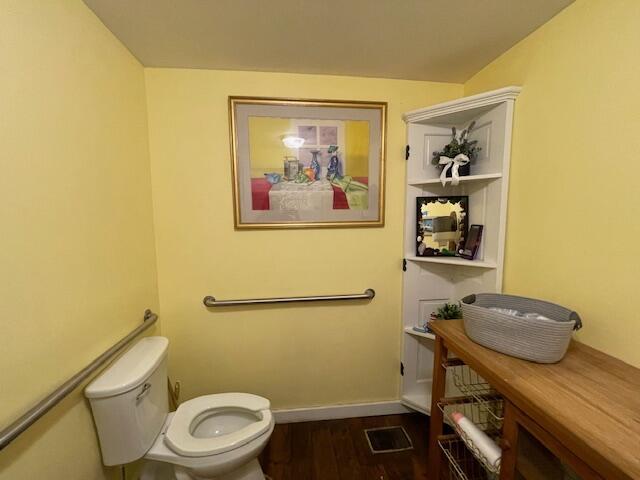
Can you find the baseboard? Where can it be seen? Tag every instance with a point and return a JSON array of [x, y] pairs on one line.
[[331, 412]]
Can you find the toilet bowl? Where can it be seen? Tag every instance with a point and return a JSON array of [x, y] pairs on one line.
[[215, 436]]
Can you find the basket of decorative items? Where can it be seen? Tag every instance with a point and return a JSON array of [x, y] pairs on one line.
[[522, 327], [456, 157]]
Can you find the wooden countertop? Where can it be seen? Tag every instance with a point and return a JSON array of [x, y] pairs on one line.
[[589, 401]]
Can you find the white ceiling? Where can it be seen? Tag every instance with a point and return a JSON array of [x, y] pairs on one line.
[[444, 40]]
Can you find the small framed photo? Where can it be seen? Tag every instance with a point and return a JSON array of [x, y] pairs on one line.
[[307, 163], [472, 244]]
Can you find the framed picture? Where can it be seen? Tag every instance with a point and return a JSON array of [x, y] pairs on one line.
[[472, 244], [441, 225], [307, 163]]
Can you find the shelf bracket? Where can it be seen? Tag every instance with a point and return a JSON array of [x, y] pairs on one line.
[[404, 264], [406, 153], [401, 369]]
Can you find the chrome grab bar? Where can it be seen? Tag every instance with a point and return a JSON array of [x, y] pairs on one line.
[[210, 301], [11, 432]]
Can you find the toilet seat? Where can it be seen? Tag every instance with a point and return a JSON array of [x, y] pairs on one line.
[[179, 436]]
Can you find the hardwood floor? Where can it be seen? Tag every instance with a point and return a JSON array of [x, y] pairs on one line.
[[338, 450]]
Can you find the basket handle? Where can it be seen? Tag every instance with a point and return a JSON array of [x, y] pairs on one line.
[[469, 299], [576, 317]]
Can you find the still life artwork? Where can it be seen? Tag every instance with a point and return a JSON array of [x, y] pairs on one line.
[[441, 225], [307, 163]]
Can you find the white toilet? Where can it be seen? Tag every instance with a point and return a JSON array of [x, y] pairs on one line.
[[210, 437]]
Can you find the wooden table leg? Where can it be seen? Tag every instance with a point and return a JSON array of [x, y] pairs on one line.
[[437, 392], [509, 443]]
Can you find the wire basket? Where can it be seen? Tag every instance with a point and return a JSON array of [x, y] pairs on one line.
[[470, 384], [479, 414], [483, 415], [462, 464]]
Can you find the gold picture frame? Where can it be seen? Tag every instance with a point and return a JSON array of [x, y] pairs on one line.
[[302, 163]]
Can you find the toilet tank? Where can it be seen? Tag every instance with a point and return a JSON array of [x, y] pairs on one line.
[[129, 401]]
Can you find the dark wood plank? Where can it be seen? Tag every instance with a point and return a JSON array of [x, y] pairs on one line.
[[324, 458], [302, 452], [345, 451], [375, 472], [417, 426], [276, 457], [357, 427], [338, 450]]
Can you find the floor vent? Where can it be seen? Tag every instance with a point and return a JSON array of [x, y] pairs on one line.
[[388, 439]]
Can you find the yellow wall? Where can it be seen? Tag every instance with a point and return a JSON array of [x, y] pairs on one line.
[[575, 147], [357, 148], [77, 256], [296, 355]]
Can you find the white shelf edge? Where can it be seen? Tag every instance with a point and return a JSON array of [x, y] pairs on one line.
[[421, 403], [454, 261], [411, 331], [469, 178], [461, 104]]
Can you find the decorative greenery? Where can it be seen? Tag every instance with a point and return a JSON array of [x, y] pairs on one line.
[[459, 144], [449, 311]]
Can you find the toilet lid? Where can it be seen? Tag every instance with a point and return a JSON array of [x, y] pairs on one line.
[[179, 438]]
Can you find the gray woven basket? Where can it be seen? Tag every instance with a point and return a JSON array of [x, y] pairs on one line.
[[538, 340]]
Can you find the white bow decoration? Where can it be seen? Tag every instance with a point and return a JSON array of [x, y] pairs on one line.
[[454, 163]]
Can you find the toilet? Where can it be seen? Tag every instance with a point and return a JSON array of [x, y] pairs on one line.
[[215, 436]]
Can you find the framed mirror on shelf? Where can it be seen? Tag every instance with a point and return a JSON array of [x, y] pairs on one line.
[[442, 224]]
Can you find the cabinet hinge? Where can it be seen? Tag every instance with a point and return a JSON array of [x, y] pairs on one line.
[[406, 153], [402, 369], [404, 264]]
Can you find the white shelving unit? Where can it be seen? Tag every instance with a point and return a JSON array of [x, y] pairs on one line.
[[429, 282], [470, 178], [416, 333], [454, 261]]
